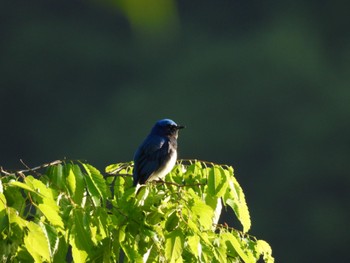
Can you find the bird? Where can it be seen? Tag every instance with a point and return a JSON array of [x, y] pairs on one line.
[[157, 154]]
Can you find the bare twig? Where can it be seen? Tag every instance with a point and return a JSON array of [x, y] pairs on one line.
[[34, 169]]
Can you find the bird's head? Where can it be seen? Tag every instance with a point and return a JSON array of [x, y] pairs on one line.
[[166, 127]]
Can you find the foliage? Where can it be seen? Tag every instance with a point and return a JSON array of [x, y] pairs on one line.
[[73, 212]]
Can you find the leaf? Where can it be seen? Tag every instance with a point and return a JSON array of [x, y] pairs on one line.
[[203, 212], [80, 237], [3, 216], [50, 211], [194, 245], [216, 204], [14, 198], [118, 168], [39, 187], [36, 243], [129, 245], [81, 231], [71, 183], [80, 184], [14, 218], [159, 223], [21, 185], [95, 183], [234, 197], [51, 237], [172, 222], [217, 181], [174, 245], [220, 250], [79, 255], [75, 182], [234, 244], [2, 202], [62, 250], [55, 173], [263, 248]]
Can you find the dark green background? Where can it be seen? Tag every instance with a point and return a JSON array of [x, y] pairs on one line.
[[260, 85]]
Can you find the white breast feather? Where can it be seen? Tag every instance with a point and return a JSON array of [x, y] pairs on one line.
[[161, 173]]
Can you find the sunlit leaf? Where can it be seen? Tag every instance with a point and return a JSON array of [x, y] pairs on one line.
[[193, 243], [44, 218], [3, 216], [51, 237], [71, 182], [22, 185], [81, 231], [234, 197], [95, 183], [39, 187], [234, 244], [50, 210], [36, 243], [79, 184], [263, 248], [217, 181], [174, 245]]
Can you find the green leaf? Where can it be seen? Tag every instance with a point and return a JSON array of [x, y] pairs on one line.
[[15, 218], [174, 245], [234, 197], [70, 178], [75, 182], [96, 184], [220, 250], [55, 173], [3, 216], [119, 168], [51, 238], [263, 248], [62, 250], [39, 187], [3, 202], [215, 204], [14, 198], [21, 185], [233, 244], [194, 245], [79, 255], [172, 222], [203, 213], [36, 243], [81, 231], [80, 184], [80, 237], [50, 211], [217, 181], [43, 218]]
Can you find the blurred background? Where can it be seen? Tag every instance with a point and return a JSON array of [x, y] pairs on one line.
[[260, 85]]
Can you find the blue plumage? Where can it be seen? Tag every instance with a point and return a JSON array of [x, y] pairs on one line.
[[157, 155]]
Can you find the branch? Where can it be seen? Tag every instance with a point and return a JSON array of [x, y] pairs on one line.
[[34, 169]]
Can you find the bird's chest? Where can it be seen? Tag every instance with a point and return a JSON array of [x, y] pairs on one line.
[[166, 168]]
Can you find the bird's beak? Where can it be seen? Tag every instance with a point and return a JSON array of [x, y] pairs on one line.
[[179, 127]]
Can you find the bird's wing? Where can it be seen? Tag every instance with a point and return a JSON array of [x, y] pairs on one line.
[[149, 157]]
